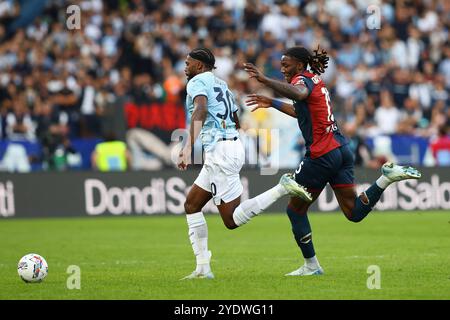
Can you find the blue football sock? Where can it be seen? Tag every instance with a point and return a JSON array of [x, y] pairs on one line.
[[365, 204], [302, 232]]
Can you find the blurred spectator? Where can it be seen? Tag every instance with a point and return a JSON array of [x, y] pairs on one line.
[[89, 109], [111, 155], [363, 155], [387, 115], [439, 118], [9, 11], [19, 123], [52, 131], [113, 117], [61, 93], [444, 65], [64, 157], [15, 159], [400, 86], [440, 147], [410, 117]]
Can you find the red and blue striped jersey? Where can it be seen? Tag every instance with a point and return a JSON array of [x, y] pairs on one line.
[[315, 117]]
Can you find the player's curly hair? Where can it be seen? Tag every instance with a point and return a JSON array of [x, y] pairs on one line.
[[204, 55], [317, 62]]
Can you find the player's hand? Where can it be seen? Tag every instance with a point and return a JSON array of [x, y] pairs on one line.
[[258, 101], [184, 158], [254, 72]]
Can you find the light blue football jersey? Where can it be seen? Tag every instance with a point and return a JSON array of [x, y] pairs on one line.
[[219, 121]]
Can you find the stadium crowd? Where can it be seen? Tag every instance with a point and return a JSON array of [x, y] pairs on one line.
[[390, 76]]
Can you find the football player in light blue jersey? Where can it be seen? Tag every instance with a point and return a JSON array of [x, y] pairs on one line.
[[221, 118], [213, 117]]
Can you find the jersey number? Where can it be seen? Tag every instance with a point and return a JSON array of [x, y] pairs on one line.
[[328, 102], [228, 102]]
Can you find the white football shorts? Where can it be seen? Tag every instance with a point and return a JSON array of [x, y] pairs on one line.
[[220, 172]]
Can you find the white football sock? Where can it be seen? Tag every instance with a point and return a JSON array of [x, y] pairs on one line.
[[312, 263], [252, 207], [383, 182], [198, 234]]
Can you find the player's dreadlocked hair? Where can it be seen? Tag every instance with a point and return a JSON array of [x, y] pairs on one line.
[[204, 55], [317, 62]]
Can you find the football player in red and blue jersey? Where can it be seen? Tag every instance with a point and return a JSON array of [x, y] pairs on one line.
[[328, 158]]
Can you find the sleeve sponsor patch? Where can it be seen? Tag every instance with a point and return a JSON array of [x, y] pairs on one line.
[[303, 81], [298, 81]]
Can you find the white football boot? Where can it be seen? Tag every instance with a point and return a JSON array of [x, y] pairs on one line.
[[395, 172], [304, 270], [293, 188], [198, 275]]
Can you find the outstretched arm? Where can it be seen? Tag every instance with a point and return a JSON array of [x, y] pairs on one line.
[[259, 101], [293, 92]]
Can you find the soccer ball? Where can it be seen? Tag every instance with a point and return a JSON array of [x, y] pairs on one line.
[[32, 268]]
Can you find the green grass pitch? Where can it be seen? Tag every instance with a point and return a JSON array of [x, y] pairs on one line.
[[144, 257]]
